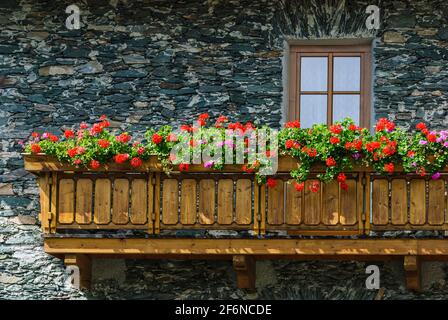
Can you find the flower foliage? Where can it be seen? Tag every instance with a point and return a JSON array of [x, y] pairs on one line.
[[336, 148]]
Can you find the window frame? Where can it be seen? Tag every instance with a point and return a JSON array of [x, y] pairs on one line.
[[363, 51]]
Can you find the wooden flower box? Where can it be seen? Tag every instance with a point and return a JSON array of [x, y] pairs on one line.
[[116, 197]]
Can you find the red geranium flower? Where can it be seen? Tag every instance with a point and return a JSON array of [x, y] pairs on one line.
[[271, 183], [334, 140], [136, 162], [72, 152], [123, 138], [77, 161], [185, 127], [389, 167], [336, 129], [299, 186], [184, 167], [420, 126], [35, 148], [292, 124], [314, 187], [94, 164], [69, 134], [83, 125], [53, 138], [103, 143], [312, 152], [431, 137], [344, 186], [35, 135], [121, 158], [156, 138], [141, 150], [289, 144], [411, 154], [341, 177], [330, 162]]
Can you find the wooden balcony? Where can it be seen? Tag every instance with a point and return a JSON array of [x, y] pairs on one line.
[[119, 198]]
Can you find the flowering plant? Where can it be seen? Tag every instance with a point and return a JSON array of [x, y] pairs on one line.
[[337, 148]]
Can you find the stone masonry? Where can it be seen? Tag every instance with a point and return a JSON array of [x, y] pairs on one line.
[[147, 63]]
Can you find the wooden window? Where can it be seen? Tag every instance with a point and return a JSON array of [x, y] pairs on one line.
[[329, 83]]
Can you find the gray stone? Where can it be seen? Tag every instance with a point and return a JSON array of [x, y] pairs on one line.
[[56, 70], [91, 68], [130, 73], [135, 59], [6, 279]]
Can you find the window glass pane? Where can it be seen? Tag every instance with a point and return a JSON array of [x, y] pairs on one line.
[[313, 109], [346, 105], [313, 74], [346, 73]]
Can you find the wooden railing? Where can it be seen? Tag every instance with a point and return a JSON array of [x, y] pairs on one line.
[[119, 197], [149, 199]]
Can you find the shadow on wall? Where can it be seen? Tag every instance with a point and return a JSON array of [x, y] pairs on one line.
[[280, 279]]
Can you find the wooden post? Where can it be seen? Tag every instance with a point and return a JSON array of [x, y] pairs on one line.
[[83, 263], [244, 266], [412, 272]]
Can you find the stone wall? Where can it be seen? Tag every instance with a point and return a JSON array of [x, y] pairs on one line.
[[145, 63]]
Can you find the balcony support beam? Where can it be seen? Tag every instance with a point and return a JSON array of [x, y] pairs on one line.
[[412, 266], [244, 266], [82, 269]]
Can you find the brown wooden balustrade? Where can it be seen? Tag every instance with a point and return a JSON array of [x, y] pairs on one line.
[[120, 197]]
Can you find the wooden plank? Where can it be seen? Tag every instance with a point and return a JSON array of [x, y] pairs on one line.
[[380, 202], [84, 201], [150, 202], [399, 202], [101, 211], [225, 201], [417, 210], [139, 205], [436, 202], [262, 208], [157, 202], [120, 201], [207, 201], [330, 212], [276, 199], [170, 201], [53, 202], [272, 247], [243, 205], [66, 201], [188, 208], [44, 196], [350, 203], [294, 199], [312, 204]]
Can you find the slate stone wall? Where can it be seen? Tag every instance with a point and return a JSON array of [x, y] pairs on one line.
[[146, 63]]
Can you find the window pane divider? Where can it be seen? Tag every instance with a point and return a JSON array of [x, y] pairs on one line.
[[330, 89]]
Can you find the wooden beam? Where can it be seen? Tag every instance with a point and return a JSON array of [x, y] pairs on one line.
[[84, 265], [412, 266], [295, 247], [244, 266]]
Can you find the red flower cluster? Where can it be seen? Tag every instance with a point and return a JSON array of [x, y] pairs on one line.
[[121, 158], [156, 138], [384, 124], [103, 143], [123, 138], [330, 162], [293, 124]]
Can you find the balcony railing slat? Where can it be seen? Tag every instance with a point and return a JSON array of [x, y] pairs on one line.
[[120, 201], [139, 199], [102, 203], [84, 201], [66, 201]]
